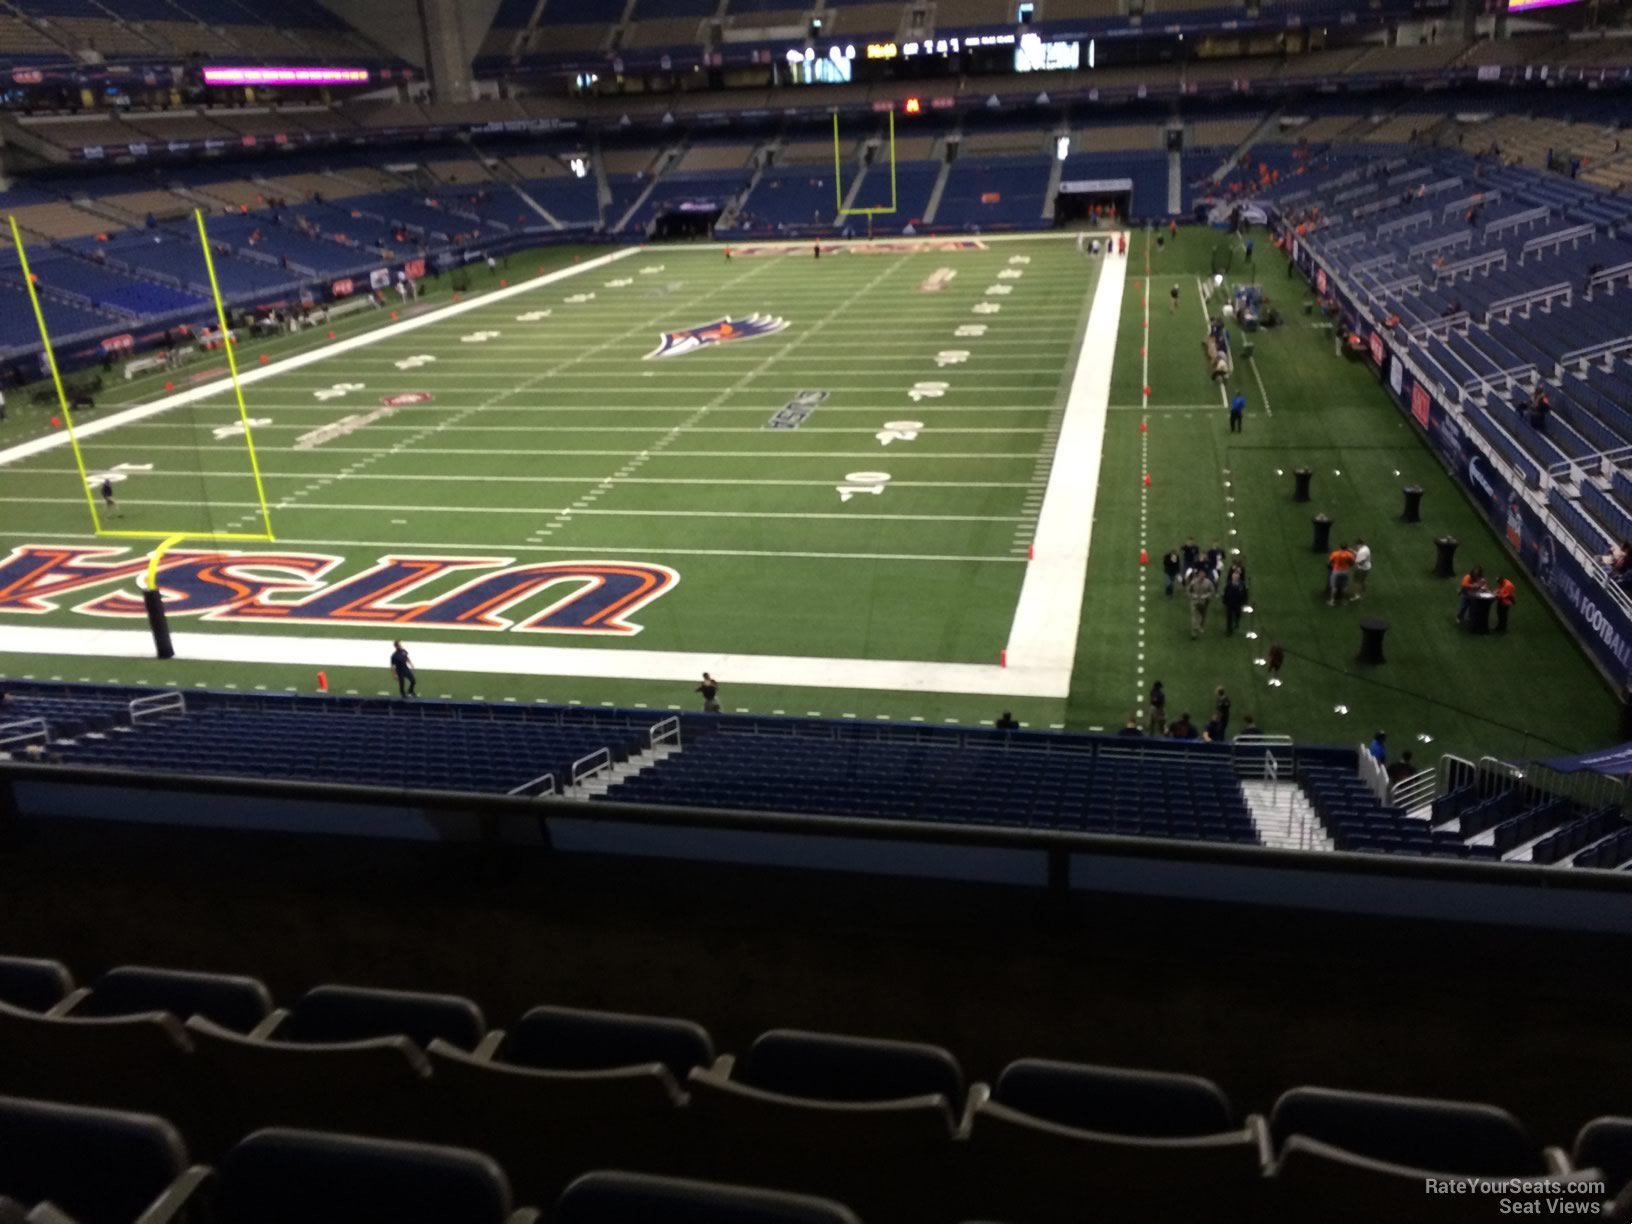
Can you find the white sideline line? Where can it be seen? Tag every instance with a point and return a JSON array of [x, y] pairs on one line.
[[1043, 639], [588, 476], [432, 656], [258, 373], [1262, 393]]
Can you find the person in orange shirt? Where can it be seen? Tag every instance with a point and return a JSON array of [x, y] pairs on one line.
[[1340, 563], [1472, 583], [1505, 591]]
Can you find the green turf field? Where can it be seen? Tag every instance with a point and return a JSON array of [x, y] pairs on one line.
[[552, 435]]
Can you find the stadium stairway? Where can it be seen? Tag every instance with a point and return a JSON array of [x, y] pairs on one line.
[[1283, 816], [597, 786]]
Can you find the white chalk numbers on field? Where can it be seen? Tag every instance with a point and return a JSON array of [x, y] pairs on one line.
[[928, 390], [338, 391], [862, 482], [899, 431]]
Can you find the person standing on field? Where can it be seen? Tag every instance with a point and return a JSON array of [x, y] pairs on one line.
[[403, 667], [1201, 588], [1362, 567]]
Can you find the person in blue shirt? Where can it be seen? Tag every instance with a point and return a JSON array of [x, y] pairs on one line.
[[1238, 411], [1379, 748]]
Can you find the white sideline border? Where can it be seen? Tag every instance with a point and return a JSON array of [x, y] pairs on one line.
[[1042, 640]]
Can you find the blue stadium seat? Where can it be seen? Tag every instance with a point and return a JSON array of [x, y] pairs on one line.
[[237, 1003], [101, 1166], [33, 985], [277, 1176], [1443, 1136], [1605, 1144], [1115, 1100], [624, 1198], [571, 1039], [332, 1014]]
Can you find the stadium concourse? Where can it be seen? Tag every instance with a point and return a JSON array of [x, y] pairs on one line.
[[1079, 558]]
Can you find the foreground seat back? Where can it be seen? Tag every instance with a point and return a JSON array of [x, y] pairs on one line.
[[1114, 1100], [830, 1067], [141, 1063], [365, 1087], [100, 1166], [624, 1198], [1606, 1144], [33, 985], [237, 1003], [1417, 1132], [571, 1039], [280, 1176], [357, 1013], [547, 1127]]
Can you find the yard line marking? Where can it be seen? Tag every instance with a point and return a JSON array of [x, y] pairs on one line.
[[652, 480], [1262, 393], [1161, 407], [760, 455], [837, 516], [193, 395], [1042, 643], [757, 430], [442, 547]]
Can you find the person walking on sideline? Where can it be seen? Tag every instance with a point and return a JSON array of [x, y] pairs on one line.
[[1505, 591], [1190, 556], [1362, 567], [710, 690], [1221, 711], [1171, 569], [403, 666], [1341, 562], [1202, 588], [1235, 597], [1156, 722], [1173, 300], [1238, 412], [107, 497]]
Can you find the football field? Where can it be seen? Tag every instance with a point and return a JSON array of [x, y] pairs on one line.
[[820, 479], [908, 480]]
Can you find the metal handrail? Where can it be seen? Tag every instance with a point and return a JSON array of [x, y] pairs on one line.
[[542, 782], [1412, 792], [24, 731], [159, 703], [599, 762], [667, 731]]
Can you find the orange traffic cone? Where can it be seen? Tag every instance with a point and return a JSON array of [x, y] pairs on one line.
[[1144, 557], [322, 682], [1147, 480]]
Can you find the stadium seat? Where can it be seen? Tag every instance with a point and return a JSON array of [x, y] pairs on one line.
[[99, 1165], [1445, 1136], [623, 1198], [277, 1176], [1053, 1136], [1115, 1100], [547, 1127], [237, 1003], [865, 1122], [570, 1039], [1606, 1144], [354, 1013], [830, 1067], [128, 1062], [33, 985], [373, 1087]]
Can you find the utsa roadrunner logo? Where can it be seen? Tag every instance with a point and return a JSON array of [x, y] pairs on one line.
[[721, 331], [487, 593]]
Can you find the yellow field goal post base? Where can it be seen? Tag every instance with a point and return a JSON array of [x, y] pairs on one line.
[[167, 539]]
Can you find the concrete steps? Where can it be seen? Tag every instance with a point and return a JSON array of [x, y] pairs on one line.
[[1284, 817]]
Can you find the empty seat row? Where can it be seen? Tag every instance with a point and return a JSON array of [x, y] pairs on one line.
[[892, 1129]]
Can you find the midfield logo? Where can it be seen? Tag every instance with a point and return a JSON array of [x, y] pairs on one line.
[[596, 597], [721, 331]]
